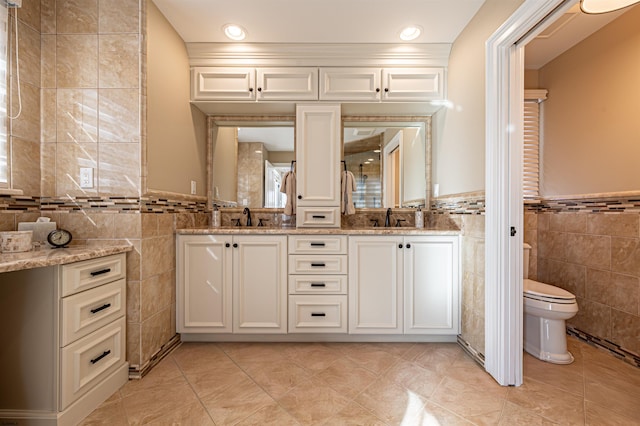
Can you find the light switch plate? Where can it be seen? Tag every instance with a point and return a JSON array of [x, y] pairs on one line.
[[193, 187], [86, 177]]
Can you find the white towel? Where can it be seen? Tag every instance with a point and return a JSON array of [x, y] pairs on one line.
[[289, 188], [348, 186]]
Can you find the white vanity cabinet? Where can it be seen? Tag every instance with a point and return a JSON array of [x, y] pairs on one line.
[[64, 340], [318, 154], [254, 84], [231, 284], [382, 84], [404, 285], [317, 284]]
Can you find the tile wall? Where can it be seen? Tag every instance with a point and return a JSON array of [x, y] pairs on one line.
[[592, 249], [251, 158]]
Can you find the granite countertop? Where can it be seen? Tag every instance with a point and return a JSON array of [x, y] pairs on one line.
[[49, 256], [241, 230]]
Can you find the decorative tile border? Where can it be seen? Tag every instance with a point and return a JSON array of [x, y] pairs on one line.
[[471, 203], [12, 203], [587, 205], [610, 347]]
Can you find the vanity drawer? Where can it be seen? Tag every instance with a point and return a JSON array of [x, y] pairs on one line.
[[87, 274], [317, 284], [89, 310], [314, 264], [323, 244], [318, 217], [89, 360], [317, 314]]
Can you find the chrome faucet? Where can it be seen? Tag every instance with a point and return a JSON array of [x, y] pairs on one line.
[[387, 218], [248, 213]]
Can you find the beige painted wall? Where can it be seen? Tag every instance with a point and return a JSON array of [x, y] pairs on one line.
[[591, 127], [459, 130], [176, 131]]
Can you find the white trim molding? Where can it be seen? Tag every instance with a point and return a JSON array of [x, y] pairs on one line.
[[504, 206]]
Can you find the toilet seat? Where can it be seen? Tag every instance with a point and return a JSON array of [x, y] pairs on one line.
[[546, 293]]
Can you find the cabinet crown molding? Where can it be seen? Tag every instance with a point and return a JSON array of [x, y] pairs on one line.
[[300, 54]]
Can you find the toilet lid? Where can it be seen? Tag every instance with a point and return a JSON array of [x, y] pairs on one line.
[[546, 292]]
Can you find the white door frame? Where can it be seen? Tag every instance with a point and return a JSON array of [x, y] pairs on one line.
[[504, 208]]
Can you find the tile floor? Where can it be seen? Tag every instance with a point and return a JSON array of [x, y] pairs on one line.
[[369, 384]]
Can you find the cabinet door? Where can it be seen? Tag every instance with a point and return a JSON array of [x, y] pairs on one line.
[[260, 284], [291, 84], [412, 84], [318, 155], [431, 285], [350, 84], [375, 285], [203, 296], [222, 84]]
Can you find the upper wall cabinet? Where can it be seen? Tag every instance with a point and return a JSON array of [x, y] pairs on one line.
[[382, 84], [251, 84]]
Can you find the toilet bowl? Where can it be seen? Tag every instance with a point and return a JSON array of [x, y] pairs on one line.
[[546, 308]]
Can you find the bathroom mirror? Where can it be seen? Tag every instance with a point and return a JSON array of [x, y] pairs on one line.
[[390, 160], [249, 156]]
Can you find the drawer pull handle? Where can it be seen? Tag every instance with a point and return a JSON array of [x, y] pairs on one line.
[[100, 272], [318, 285], [319, 264], [101, 308], [318, 216], [317, 244], [318, 314], [99, 357]]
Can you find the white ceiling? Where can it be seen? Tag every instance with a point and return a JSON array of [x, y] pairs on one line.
[[319, 21]]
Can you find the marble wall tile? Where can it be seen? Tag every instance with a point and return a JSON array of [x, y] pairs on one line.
[[47, 16], [617, 225], [621, 292], [119, 118], [155, 332], [118, 64], [7, 221], [593, 318], [48, 126], [133, 301], [89, 225], [551, 245], [588, 250], [568, 222], [30, 14], [118, 16], [29, 54], [48, 45], [158, 255], [27, 124], [134, 329], [568, 276], [25, 162], [156, 294], [166, 224], [128, 225], [625, 255], [626, 330], [69, 158], [150, 225], [76, 115], [77, 61], [119, 169], [77, 16]]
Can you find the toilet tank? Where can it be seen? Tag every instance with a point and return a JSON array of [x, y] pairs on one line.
[[525, 260]]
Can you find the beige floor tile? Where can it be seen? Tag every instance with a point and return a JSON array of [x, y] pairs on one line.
[[598, 415], [346, 377], [438, 357], [278, 377], [621, 397], [313, 356], [465, 370], [391, 402], [415, 378], [355, 415], [370, 356], [165, 375], [270, 415], [111, 414], [475, 405], [567, 377], [194, 358], [160, 404], [435, 415], [245, 354], [548, 401], [214, 382], [312, 402], [237, 402], [514, 415]]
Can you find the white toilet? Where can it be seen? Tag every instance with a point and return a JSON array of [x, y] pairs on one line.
[[546, 308]]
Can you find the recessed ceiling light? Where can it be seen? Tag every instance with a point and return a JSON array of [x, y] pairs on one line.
[[604, 6], [411, 33], [234, 32]]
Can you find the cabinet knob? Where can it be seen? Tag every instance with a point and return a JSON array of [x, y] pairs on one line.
[[408, 245], [399, 245], [259, 89], [227, 245], [377, 90], [235, 245], [250, 89], [386, 89], [299, 197]]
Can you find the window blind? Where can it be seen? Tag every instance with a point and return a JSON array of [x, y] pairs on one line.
[[531, 137]]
